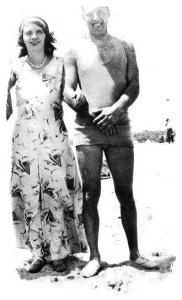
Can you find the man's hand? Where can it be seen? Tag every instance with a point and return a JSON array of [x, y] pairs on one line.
[[106, 123], [107, 116]]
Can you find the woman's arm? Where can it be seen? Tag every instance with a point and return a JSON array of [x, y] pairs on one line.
[[11, 83]]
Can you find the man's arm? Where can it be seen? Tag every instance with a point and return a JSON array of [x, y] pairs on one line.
[[11, 83], [73, 96], [132, 90], [111, 115]]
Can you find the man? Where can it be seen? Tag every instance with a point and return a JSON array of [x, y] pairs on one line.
[[170, 134], [106, 71]]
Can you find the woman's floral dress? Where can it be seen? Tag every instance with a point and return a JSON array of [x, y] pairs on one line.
[[45, 186]]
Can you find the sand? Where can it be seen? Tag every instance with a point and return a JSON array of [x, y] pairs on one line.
[[156, 197]]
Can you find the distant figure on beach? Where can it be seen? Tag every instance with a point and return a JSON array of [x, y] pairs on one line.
[[170, 133], [105, 69], [169, 120]]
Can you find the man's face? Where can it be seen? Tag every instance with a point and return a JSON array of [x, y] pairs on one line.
[[96, 19]]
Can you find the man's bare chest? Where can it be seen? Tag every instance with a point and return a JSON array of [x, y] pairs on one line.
[[108, 54]]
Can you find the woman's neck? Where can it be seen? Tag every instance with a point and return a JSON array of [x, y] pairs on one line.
[[38, 61], [37, 58]]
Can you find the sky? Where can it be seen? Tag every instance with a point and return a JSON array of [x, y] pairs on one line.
[[153, 28]]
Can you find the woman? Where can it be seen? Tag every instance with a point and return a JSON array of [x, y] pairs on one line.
[[45, 186]]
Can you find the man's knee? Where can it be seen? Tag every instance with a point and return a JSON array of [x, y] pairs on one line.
[[124, 194], [91, 191]]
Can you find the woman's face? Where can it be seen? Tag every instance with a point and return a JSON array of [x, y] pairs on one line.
[[33, 37]]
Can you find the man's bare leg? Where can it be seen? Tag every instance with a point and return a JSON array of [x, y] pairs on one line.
[[90, 163], [120, 161]]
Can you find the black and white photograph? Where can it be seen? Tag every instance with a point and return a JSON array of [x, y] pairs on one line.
[[90, 139]]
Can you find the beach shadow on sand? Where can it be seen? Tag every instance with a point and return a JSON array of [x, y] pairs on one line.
[[164, 265], [75, 264]]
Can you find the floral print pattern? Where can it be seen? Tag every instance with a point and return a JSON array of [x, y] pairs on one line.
[[45, 186]]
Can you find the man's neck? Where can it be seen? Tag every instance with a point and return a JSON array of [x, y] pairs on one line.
[[100, 38]]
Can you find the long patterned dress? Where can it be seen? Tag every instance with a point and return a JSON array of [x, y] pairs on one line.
[[45, 186]]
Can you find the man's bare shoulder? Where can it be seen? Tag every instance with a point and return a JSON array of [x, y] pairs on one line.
[[122, 43], [74, 48]]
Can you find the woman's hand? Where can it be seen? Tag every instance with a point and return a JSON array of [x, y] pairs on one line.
[[78, 103], [79, 99]]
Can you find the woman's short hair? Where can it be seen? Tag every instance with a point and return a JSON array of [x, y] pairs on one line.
[[49, 36]]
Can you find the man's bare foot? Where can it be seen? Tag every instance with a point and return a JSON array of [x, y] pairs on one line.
[[146, 263], [92, 268]]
